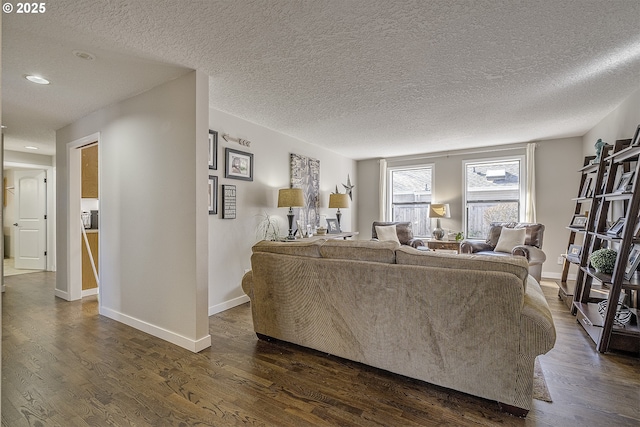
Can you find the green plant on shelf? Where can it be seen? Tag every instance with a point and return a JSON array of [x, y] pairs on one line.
[[603, 260]]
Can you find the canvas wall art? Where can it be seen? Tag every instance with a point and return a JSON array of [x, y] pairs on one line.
[[305, 174]]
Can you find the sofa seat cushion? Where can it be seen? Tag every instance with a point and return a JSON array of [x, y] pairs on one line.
[[360, 250], [515, 265], [309, 248]]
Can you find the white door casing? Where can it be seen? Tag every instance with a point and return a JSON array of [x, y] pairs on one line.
[[31, 225]]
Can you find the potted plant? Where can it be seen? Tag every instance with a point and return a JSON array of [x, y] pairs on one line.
[[604, 260]]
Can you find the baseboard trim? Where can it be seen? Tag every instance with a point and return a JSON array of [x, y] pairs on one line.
[[557, 276], [89, 292], [219, 308], [62, 294], [177, 339]]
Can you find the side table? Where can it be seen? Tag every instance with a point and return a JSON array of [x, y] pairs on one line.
[[443, 245]]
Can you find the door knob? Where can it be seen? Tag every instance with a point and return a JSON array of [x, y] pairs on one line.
[[15, 223]]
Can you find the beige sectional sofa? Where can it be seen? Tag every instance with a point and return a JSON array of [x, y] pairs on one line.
[[470, 323]]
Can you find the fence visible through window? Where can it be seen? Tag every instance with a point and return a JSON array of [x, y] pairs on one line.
[[492, 194], [410, 195]]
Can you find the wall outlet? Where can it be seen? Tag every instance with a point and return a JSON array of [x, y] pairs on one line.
[[560, 260]]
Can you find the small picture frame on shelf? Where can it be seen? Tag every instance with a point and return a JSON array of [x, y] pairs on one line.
[[574, 250], [586, 187], [573, 253], [332, 226], [625, 184], [603, 185], [616, 227], [579, 221], [635, 141], [633, 261]]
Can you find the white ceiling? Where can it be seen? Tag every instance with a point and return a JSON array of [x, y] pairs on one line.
[[364, 78]]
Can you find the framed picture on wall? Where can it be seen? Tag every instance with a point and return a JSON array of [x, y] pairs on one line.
[[213, 195], [239, 165], [213, 149], [228, 201]]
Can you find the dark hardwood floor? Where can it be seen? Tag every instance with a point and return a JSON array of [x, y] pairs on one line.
[[64, 365]]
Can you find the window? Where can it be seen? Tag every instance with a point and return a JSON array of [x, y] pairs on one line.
[[494, 191], [410, 192]]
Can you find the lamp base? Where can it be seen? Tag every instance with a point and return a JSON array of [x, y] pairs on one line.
[[290, 216], [438, 233]]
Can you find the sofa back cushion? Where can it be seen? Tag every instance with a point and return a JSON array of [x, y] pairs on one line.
[[309, 248], [360, 250], [515, 265]]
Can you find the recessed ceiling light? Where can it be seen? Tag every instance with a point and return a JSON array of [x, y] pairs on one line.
[[84, 55], [30, 147], [37, 79]]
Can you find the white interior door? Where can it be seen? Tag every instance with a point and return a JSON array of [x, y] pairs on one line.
[[31, 225]]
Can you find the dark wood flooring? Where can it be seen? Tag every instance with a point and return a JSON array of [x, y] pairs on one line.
[[64, 365]]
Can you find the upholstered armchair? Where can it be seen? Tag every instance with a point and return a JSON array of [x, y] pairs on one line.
[[531, 248], [403, 231]]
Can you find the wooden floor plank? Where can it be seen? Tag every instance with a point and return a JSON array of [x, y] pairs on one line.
[[65, 365]]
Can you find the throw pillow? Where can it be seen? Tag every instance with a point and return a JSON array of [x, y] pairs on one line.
[[510, 238], [387, 233]]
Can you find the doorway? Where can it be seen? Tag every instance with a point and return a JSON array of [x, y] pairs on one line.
[[27, 218], [75, 226]]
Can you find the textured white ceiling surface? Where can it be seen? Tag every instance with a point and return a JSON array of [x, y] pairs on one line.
[[363, 78]]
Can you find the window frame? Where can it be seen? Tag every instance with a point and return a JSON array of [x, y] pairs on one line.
[[389, 195], [522, 184]]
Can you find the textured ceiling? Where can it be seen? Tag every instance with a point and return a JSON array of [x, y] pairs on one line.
[[364, 78]]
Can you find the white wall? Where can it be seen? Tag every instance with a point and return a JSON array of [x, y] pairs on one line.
[[153, 177], [231, 239], [621, 123], [31, 159], [556, 183]]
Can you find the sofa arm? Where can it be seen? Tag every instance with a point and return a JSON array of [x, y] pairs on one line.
[[247, 284], [415, 243], [531, 253], [471, 246], [537, 330]]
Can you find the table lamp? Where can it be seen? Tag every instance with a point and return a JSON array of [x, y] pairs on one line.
[[439, 210], [290, 198], [338, 200]]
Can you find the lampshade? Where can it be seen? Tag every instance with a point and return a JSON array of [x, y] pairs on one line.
[[439, 210], [290, 198], [338, 200]]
